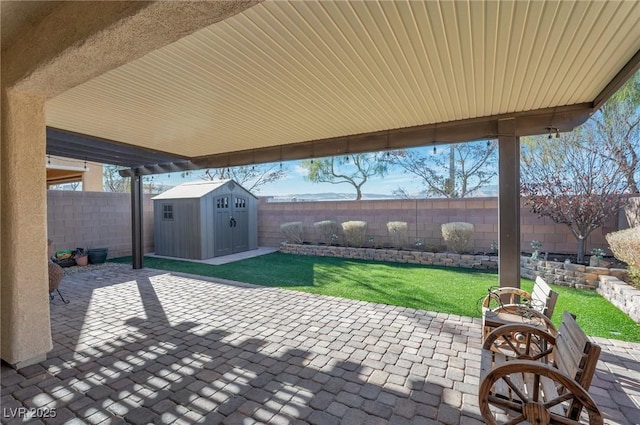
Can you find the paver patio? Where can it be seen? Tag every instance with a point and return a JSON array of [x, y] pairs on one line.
[[146, 346]]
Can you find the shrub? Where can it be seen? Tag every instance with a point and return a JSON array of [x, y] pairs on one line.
[[625, 245], [398, 233], [326, 230], [292, 231], [354, 232], [458, 236]]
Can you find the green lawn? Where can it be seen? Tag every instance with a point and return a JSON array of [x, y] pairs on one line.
[[440, 289]]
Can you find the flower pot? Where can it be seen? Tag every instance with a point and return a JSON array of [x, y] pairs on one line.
[[98, 255], [83, 260]]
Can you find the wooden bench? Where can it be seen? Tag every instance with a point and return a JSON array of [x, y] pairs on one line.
[[514, 305], [546, 381]]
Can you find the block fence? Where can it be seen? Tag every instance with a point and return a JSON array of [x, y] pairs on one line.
[[103, 219], [95, 220], [424, 218]]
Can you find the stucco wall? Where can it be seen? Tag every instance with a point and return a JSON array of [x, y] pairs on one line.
[[95, 220], [424, 217]]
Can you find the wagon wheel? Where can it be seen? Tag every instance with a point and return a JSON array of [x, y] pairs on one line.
[[521, 341], [528, 392]]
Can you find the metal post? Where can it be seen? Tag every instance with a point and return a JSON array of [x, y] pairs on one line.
[[508, 204], [137, 248]]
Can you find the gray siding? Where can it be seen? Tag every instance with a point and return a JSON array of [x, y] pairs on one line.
[[179, 237], [192, 232], [207, 220]]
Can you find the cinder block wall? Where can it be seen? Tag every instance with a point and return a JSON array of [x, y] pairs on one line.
[[103, 219], [424, 218], [95, 220]]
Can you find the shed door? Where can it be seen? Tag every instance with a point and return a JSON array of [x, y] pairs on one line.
[[240, 228], [223, 241]]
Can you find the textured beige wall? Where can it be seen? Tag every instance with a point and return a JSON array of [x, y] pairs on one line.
[[95, 220], [24, 283], [92, 178], [424, 217]]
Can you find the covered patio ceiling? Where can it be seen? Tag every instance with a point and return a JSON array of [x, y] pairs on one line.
[[290, 80]]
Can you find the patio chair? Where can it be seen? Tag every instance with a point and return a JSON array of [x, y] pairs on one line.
[[55, 277], [514, 305]]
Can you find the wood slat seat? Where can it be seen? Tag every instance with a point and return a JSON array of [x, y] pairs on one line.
[[513, 305], [542, 381]]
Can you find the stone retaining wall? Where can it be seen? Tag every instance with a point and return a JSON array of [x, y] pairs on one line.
[[573, 275], [623, 296], [484, 262]]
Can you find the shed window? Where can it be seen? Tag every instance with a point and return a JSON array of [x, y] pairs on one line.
[[240, 203], [222, 202], [167, 212]]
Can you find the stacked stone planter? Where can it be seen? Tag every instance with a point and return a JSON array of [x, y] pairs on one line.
[[484, 262], [622, 295], [573, 275]]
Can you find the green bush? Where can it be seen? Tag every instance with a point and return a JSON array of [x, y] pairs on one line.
[[354, 233], [327, 230], [398, 233], [292, 231], [625, 245], [458, 236]]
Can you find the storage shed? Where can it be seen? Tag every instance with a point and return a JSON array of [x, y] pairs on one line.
[[202, 220]]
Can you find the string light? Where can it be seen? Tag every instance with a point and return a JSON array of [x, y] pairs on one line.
[[434, 149], [49, 159], [85, 164]]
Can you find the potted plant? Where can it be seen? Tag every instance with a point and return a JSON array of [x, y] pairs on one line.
[[81, 256]]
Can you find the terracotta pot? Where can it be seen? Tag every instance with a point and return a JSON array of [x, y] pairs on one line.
[[82, 261]]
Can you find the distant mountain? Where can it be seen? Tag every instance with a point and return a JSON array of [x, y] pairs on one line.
[[487, 191]]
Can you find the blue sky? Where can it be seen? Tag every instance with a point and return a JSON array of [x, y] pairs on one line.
[[294, 182]]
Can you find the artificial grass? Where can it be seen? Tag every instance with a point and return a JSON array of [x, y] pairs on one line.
[[440, 289]]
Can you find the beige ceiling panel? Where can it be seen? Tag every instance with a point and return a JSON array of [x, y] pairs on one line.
[[285, 72]]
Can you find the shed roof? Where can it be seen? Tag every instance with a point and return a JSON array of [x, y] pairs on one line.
[[194, 190]]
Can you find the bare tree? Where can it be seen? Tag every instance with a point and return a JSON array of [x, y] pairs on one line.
[[454, 172], [354, 170], [113, 181], [617, 131], [251, 177], [562, 180]]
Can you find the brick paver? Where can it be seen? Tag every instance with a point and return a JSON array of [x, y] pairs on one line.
[[151, 347]]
